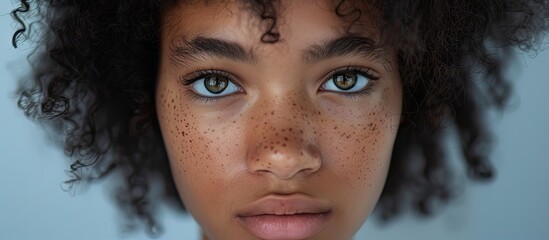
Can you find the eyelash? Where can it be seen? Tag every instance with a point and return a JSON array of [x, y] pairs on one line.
[[367, 72], [200, 74], [197, 75]]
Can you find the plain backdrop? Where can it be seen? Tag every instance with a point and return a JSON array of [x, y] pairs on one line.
[[515, 206]]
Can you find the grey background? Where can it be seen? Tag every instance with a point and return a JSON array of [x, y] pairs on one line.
[[515, 206]]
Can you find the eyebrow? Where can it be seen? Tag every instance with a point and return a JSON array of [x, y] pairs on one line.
[[354, 45], [202, 47]]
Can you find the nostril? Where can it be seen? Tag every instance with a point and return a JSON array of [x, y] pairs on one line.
[[284, 157]]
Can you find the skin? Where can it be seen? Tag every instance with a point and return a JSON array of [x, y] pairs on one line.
[[281, 133]]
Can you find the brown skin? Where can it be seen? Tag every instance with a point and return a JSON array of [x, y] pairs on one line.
[[281, 133]]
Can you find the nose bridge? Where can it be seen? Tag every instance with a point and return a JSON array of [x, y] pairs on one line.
[[281, 140]]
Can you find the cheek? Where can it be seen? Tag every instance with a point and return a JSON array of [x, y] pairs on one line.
[[197, 149], [358, 145]]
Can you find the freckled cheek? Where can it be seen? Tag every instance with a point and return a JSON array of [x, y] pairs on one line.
[[362, 149], [203, 159], [209, 151], [356, 155], [197, 149]]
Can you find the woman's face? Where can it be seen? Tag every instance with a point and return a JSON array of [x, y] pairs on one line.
[[290, 140]]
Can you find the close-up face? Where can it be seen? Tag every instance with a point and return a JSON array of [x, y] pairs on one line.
[[284, 140]]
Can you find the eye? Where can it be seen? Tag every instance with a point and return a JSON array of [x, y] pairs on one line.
[[349, 80], [212, 84]]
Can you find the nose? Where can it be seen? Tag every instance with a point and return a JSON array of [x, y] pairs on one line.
[[283, 144]]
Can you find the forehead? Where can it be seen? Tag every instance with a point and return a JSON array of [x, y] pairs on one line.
[[245, 22]]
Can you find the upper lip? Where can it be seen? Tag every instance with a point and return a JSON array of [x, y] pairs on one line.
[[284, 205]]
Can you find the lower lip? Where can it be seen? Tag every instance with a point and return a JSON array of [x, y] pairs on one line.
[[297, 226]]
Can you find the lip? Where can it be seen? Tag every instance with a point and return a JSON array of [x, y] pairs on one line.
[[285, 217]]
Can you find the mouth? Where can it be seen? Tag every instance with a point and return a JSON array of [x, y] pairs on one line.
[[295, 217], [294, 226]]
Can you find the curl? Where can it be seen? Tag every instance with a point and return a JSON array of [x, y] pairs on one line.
[[355, 14], [266, 11], [25, 7]]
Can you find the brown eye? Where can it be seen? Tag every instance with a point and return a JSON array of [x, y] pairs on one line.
[[216, 84], [349, 80], [213, 84], [345, 81]]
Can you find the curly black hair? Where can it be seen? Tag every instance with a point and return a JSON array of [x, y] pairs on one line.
[[96, 62]]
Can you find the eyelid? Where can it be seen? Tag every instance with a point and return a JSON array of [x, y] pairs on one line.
[[199, 74], [353, 95], [368, 72], [192, 78]]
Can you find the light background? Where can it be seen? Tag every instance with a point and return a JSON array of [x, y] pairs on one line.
[[515, 206]]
